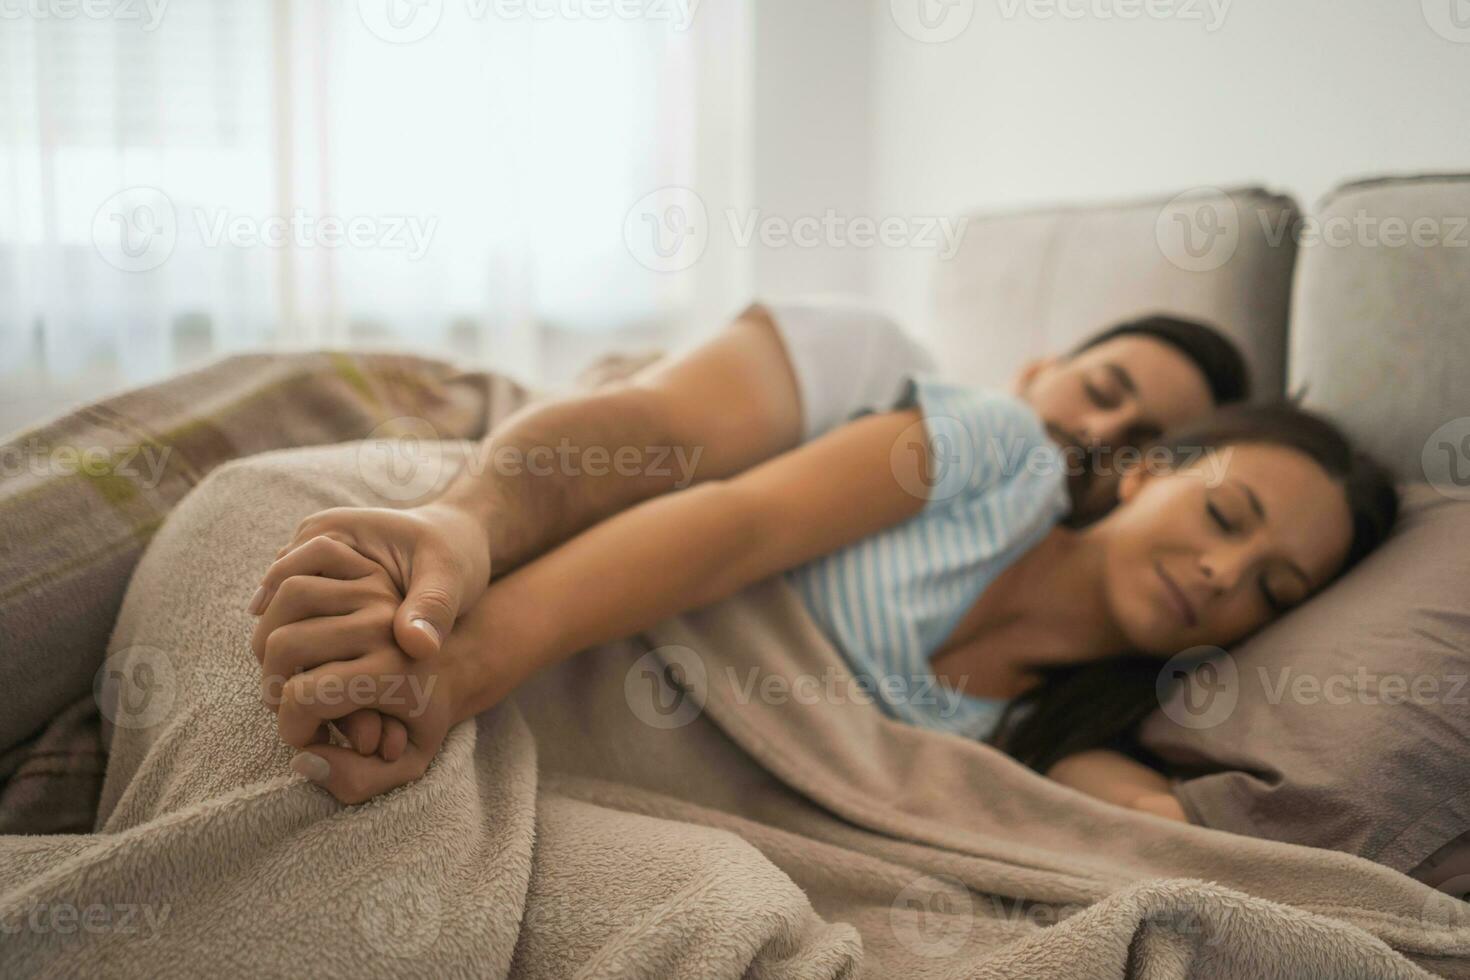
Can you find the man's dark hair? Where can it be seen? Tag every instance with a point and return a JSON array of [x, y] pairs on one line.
[[1211, 351]]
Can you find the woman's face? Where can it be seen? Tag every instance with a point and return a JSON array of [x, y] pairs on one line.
[[1206, 554]]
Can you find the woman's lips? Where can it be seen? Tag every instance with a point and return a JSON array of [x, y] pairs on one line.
[[1186, 611]]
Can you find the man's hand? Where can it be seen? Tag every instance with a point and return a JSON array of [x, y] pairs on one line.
[[438, 556]]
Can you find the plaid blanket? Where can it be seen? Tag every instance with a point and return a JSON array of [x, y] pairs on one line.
[[81, 496]]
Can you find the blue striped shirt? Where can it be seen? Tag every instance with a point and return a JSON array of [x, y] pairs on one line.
[[889, 601]]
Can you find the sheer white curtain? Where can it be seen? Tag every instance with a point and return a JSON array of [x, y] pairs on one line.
[[188, 178]]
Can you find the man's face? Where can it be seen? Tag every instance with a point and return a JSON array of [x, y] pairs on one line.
[[1123, 392]]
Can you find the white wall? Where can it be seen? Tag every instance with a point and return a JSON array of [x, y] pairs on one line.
[[1030, 108], [811, 140]]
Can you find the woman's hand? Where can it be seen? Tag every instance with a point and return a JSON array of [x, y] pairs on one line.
[[293, 572], [437, 555], [1114, 777], [327, 650], [328, 653]]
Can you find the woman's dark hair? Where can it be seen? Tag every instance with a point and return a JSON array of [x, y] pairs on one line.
[[1210, 350], [1099, 704]]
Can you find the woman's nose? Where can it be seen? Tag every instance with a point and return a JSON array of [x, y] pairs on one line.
[[1223, 569]]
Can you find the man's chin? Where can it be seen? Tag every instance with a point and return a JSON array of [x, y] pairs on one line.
[[1093, 494]]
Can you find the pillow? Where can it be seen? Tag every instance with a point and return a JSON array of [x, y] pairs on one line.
[[1345, 724]]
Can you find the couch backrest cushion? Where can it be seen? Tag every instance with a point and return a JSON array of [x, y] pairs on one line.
[[1381, 321], [1039, 281]]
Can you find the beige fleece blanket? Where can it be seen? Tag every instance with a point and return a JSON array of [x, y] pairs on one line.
[[708, 800]]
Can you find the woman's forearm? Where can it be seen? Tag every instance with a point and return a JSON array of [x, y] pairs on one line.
[[660, 558], [687, 549], [1114, 777]]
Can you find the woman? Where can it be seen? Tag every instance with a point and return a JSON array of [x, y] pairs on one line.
[[926, 541]]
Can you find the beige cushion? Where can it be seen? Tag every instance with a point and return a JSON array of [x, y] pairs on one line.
[[1381, 331], [1039, 281]]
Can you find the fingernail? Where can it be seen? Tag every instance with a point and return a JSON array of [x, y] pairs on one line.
[[428, 628], [257, 602], [312, 766]]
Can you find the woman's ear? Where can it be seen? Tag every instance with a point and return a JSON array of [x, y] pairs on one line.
[[1030, 371]]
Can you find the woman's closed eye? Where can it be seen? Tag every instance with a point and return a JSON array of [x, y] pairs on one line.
[[1282, 590], [1218, 516], [1278, 590], [1103, 394]]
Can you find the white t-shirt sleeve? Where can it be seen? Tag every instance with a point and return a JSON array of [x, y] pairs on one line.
[[848, 358]]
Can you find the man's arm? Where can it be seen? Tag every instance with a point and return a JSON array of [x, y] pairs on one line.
[[553, 469]]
